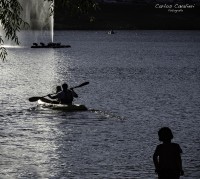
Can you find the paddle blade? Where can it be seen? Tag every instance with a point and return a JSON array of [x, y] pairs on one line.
[[83, 84], [33, 99]]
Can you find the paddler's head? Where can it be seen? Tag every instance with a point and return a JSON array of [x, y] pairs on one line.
[[58, 89], [65, 86], [165, 134]]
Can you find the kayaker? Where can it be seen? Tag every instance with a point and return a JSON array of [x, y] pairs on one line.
[[66, 96], [167, 156], [58, 89]]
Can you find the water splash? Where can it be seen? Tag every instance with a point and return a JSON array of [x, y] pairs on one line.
[[52, 20], [52, 28], [37, 14]]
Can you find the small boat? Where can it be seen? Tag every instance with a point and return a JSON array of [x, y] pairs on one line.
[[111, 32], [50, 45], [45, 103]]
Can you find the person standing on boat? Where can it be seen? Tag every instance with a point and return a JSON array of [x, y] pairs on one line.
[[66, 96]]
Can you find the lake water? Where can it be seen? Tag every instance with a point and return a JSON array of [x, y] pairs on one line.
[[140, 81]]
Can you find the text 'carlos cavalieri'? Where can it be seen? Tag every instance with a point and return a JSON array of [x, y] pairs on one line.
[[175, 7]]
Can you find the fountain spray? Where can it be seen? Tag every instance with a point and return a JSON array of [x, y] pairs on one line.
[[52, 20], [40, 17]]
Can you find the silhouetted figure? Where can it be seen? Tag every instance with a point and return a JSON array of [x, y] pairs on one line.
[[49, 44], [167, 156], [66, 96], [58, 44], [35, 44], [58, 89], [42, 44]]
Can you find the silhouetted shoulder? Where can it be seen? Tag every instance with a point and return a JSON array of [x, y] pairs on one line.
[[171, 147], [177, 147]]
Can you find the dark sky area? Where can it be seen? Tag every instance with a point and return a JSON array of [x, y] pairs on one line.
[[135, 14], [148, 1]]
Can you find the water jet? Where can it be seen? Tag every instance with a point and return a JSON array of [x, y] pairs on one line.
[[40, 17]]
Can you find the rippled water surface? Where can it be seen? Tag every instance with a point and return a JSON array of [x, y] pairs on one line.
[[139, 81]]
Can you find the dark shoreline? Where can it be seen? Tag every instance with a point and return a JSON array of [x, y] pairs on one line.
[[131, 17]]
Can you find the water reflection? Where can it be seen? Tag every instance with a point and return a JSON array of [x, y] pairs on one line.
[[12, 46], [28, 147]]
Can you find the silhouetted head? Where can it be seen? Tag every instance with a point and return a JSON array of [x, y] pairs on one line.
[[165, 134], [65, 86], [58, 89]]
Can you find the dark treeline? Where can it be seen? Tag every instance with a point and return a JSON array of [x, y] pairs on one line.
[[129, 16]]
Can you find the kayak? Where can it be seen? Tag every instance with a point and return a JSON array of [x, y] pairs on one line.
[[45, 103]]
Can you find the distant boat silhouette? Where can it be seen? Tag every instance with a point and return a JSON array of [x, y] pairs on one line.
[[49, 45], [111, 32]]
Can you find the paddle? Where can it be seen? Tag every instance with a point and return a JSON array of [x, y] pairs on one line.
[[83, 84], [33, 99]]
